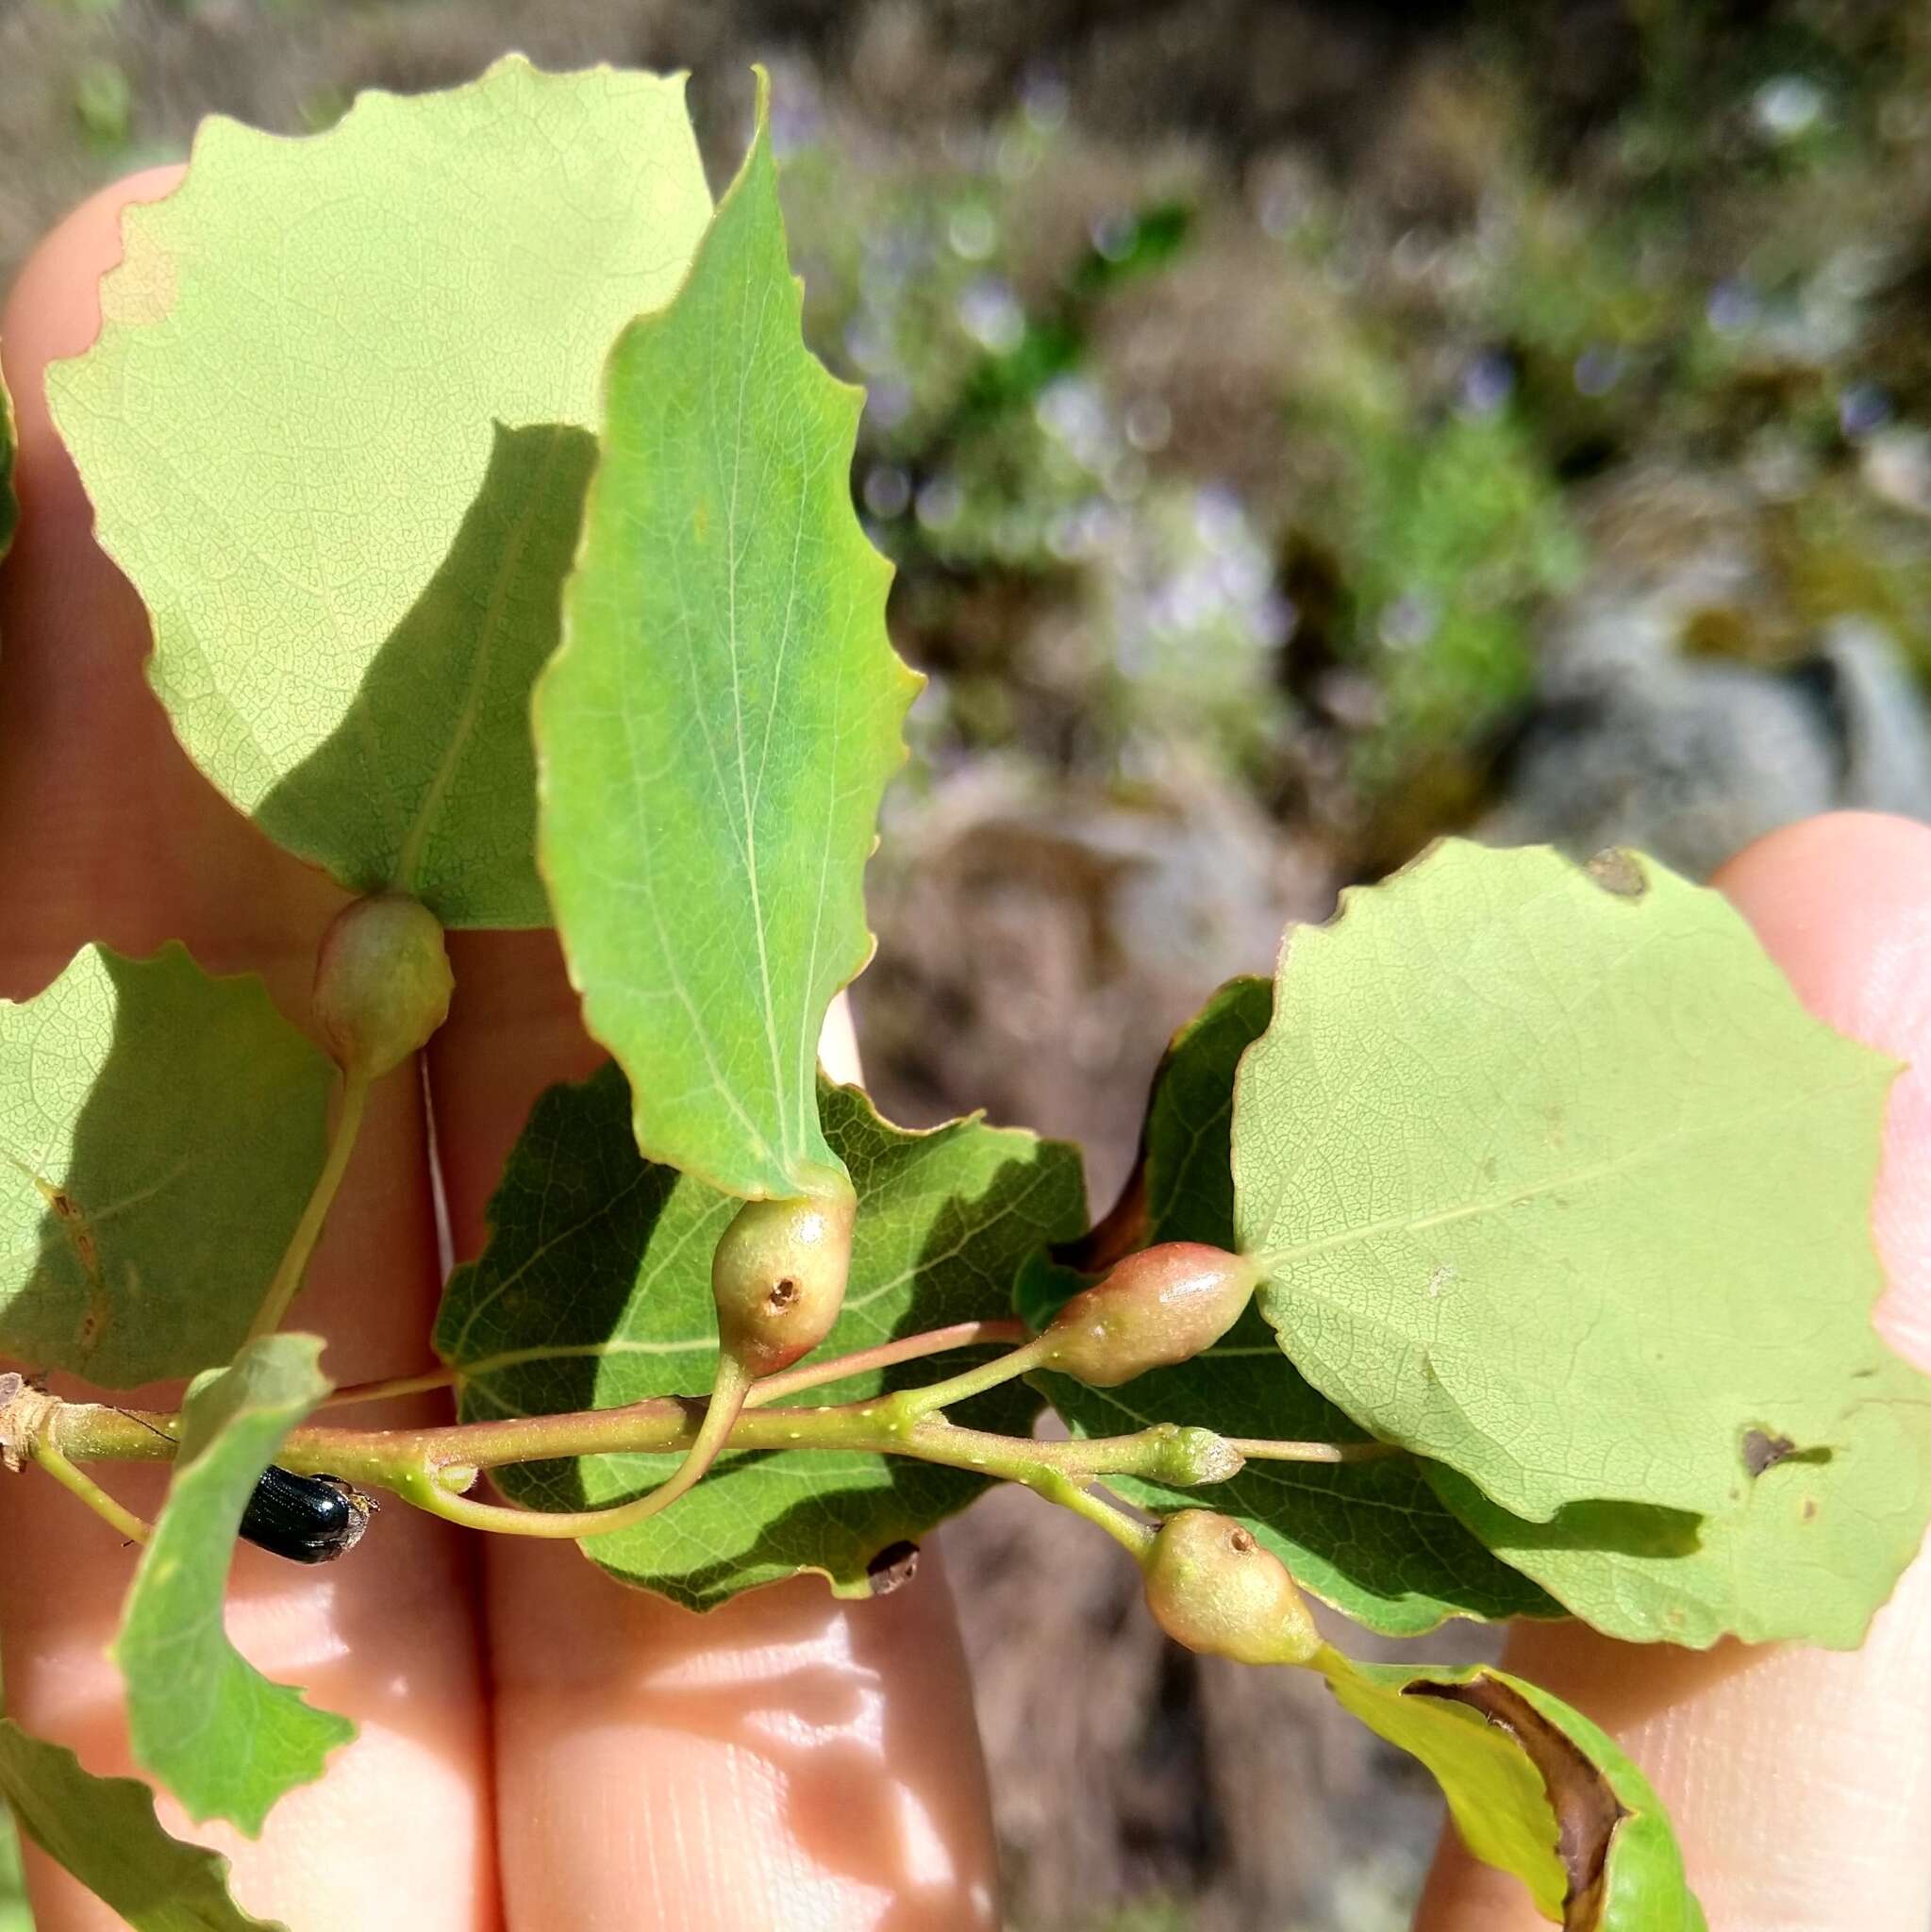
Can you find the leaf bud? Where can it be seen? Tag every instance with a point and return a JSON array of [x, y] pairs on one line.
[[1211, 1587], [1155, 1309], [779, 1277], [382, 983]]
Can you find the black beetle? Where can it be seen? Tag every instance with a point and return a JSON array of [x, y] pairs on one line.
[[308, 1519]]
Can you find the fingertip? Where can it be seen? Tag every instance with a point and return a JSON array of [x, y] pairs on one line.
[[54, 312], [1843, 905], [54, 307], [1823, 893], [783, 1759]]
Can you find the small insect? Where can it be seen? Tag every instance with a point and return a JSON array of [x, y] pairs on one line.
[[308, 1519]]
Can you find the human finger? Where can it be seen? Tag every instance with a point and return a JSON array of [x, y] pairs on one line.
[[107, 832]]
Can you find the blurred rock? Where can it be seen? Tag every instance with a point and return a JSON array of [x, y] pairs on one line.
[[1634, 743]]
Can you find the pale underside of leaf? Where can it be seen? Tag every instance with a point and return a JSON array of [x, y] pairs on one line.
[[160, 1131], [594, 1293], [1373, 1538], [715, 732], [1535, 1790], [1557, 1183], [104, 1831], [224, 1739], [1813, 1545], [334, 430]]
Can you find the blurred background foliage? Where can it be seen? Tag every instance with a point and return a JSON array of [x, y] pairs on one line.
[[1302, 428]]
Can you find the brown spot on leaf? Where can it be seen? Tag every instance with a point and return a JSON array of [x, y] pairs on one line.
[[1619, 873], [1762, 1451], [94, 1322], [1808, 1512], [1586, 1811], [73, 1221], [892, 1568]]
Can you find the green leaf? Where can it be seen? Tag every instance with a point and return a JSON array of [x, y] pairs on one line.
[[211, 1727], [159, 1132], [1813, 1544], [335, 430], [1535, 1789], [716, 730], [1370, 1538], [595, 1292], [104, 1831], [1554, 1181]]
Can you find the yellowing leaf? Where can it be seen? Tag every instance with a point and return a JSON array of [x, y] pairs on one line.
[[716, 730], [1535, 1790], [1556, 1182], [334, 430]]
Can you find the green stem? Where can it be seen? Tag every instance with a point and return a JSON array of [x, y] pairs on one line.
[[431, 1467], [78, 1482], [1060, 1472], [287, 1283], [721, 1415], [390, 1459]]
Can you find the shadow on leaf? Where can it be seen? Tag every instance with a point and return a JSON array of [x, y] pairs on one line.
[[429, 783]]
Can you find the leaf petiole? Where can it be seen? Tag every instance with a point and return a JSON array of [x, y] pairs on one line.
[[810, 1374], [1262, 1449], [1134, 1537], [287, 1281], [912, 1405], [78, 1482], [884, 1355], [394, 1386]]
